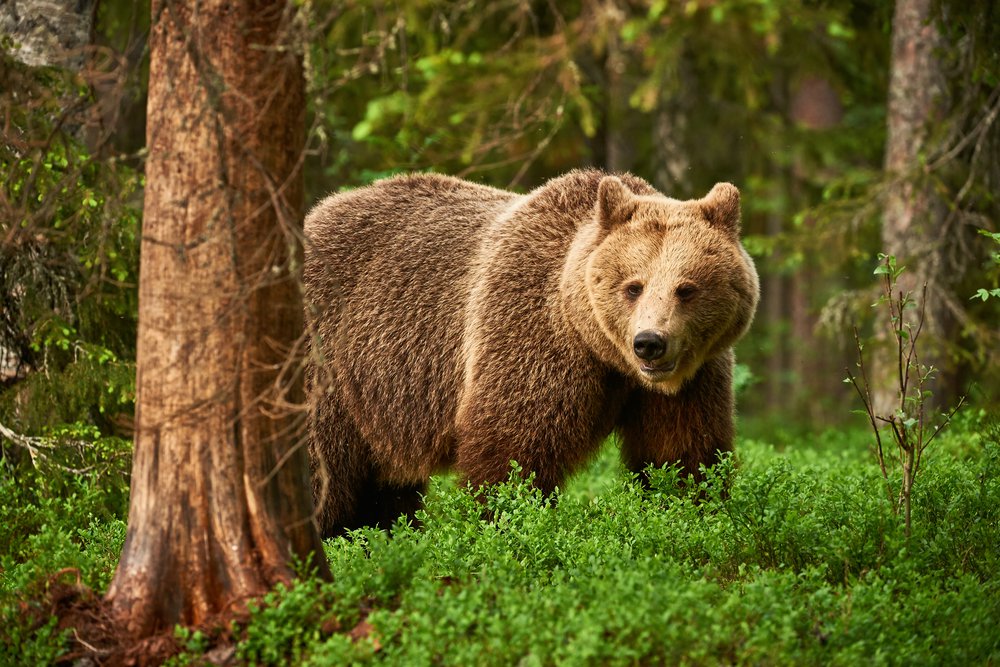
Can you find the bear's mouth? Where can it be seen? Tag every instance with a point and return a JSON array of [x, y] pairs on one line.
[[656, 371]]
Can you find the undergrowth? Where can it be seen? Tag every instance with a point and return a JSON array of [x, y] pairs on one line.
[[782, 556]]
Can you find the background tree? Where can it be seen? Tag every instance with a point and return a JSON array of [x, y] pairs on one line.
[[913, 226], [220, 502], [941, 115]]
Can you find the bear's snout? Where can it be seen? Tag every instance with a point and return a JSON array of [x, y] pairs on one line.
[[649, 345], [658, 354]]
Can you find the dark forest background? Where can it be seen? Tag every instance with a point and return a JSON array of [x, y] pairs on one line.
[[788, 100]]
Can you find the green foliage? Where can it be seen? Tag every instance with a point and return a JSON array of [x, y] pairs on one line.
[[778, 557], [53, 529], [743, 378], [50, 523], [983, 293], [68, 271], [461, 88], [68, 299], [514, 92], [23, 644], [193, 642], [783, 559]]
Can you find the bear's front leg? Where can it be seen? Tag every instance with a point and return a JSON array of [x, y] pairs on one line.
[[548, 417], [692, 427], [491, 439]]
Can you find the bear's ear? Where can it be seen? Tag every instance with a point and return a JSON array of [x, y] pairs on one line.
[[721, 207], [615, 202]]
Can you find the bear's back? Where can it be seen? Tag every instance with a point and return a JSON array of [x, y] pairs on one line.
[[395, 219], [387, 266]]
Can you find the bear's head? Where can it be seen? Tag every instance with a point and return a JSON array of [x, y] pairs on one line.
[[667, 283]]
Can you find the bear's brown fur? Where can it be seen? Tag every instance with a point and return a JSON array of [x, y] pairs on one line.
[[458, 325]]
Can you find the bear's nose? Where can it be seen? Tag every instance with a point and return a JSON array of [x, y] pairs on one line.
[[649, 345]]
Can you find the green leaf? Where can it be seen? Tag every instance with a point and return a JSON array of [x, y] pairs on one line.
[[839, 30], [993, 235], [984, 294], [361, 131]]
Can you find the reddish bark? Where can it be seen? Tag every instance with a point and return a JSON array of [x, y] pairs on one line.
[[220, 502]]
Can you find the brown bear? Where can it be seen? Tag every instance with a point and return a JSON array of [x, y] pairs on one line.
[[461, 326]]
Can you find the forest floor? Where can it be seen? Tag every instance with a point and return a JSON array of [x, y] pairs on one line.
[[801, 561]]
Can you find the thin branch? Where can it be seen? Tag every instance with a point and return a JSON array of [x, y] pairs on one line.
[[866, 399], [911, 351], [993, 108], [947, 419], [903, 375], [36, 447]]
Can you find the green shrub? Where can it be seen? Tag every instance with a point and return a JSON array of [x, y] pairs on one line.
[[777, 558], [51, 525]]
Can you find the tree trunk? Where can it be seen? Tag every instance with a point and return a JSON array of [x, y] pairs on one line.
[[220, 502], [913, 227]]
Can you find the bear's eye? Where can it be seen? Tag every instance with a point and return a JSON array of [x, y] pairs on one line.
[[686, 291], [633, 291]]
